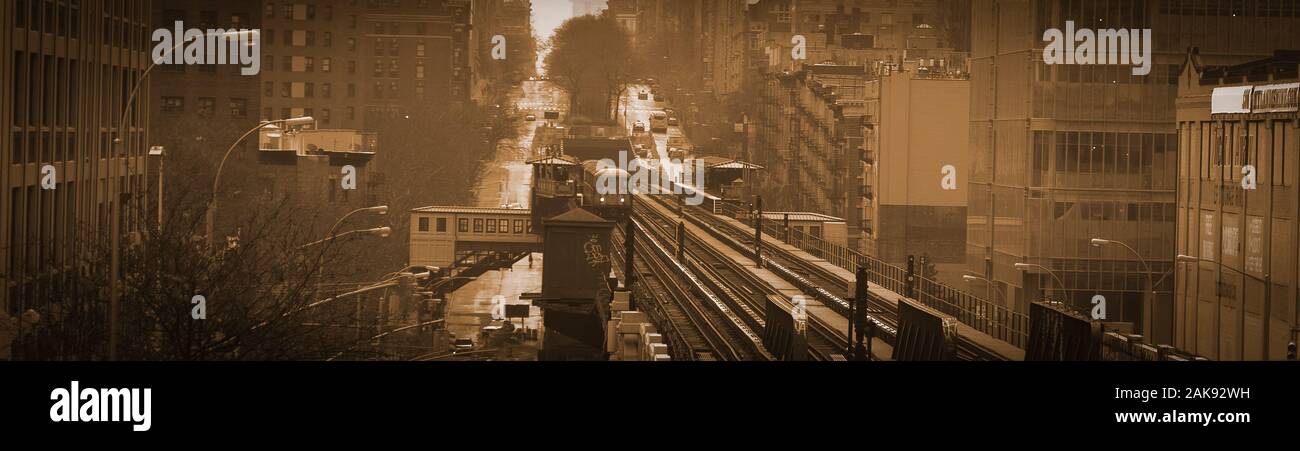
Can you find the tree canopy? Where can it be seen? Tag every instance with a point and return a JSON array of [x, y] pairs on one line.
[[591, 58]]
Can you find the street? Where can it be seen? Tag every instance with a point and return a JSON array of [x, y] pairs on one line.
[[507, 181]]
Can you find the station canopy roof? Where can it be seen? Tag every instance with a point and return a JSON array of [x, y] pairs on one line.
[[564, 160], [713, 162]]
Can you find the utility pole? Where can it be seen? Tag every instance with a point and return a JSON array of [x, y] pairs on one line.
[[860, 314], [758, 231]]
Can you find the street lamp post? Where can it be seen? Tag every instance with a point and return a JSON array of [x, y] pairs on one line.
[[1027, 266], [989, 288], [382, 232], [1149, 313], [216, 180], [115, 241]]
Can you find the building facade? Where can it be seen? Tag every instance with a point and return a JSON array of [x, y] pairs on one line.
[[1066, 153], [349, 64], [69, 68], [1235, 280], [916, 148]]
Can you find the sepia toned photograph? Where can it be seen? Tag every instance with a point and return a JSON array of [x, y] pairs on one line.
[[649, 181]]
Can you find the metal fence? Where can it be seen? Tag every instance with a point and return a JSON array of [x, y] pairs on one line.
[[996, 320]]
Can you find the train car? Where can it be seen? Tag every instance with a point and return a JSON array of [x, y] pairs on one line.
[[605, 190]]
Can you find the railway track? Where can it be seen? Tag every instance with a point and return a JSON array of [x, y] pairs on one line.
[[724, 331], [816, 281], [736, 286]]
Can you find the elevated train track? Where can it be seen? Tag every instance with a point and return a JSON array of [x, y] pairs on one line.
[[744, 291]]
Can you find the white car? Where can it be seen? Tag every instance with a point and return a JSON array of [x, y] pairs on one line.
[[530, 118], [638, 127]]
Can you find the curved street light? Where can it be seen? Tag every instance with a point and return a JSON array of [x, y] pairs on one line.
[[216, 180], [1027, 266], [1151, 304], [382, 232], [115, 260]]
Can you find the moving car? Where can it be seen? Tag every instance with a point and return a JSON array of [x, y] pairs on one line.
[[530, 118], [462, 345], [672, 120], [659, 97], [638, 127], [676, 140], [643, 96], [658, 122]]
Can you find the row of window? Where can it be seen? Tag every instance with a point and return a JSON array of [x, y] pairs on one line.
[[481, 225], [304, 64], [298, 90], [323, 118], [205, 106], [65, 19]]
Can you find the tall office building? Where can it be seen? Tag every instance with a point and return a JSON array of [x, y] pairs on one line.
[[1066, 153], [1238, 144], [68, 70], [350, 64]]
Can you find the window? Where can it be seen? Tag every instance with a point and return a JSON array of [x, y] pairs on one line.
[[329, 39], [462, 225], [237, 20], [286, 90], [379, 27], [528, 223], [491, 226], [311, 11], [478, 225], [325, 115], [352, 44], [352, 90], [378, 71], [309, 89], [326, 89], [268, 62], [311, 38], [419, 70], [352, 66], [392, 89], [270, 9], [505, 225], [238, 107], [442, 225], [519, 226], [325, 64], [420, 28], [286, 11], [268, 37], [173, 105], [419, 48], [424, 224], [329, 12], [379, 47], [270, 89], [311, 64], [392, 68]]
